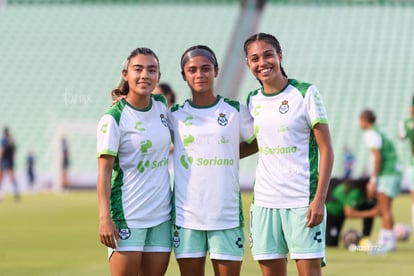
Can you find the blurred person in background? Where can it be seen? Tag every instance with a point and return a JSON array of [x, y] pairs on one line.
[[166, 90], [348, 198], [385, 177], [348, 162], [30, 167], [294, 168], [406, 131], [133, 185], [7, 154], [65, 162]]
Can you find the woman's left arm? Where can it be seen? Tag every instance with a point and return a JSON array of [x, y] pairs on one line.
[[317, 206]]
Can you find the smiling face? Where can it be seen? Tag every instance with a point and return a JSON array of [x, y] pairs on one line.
[[264, 62], [199, 73], [142, 75]]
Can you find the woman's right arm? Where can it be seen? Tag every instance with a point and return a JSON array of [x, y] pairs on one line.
[[247, 149], [107, 230], [352, 213]]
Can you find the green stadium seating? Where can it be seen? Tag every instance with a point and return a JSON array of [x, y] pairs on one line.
[[358, 56], [59, 63]]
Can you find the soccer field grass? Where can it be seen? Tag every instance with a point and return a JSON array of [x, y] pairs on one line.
[[57, 234]]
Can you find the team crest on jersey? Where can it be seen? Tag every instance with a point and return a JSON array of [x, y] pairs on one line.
[[284, 107], [222, 120], [124, 233], [176, 239], [164, 120]]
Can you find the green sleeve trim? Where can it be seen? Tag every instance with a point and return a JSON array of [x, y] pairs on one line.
[[106, 152], [160, 98], [251, 94], [251, 139], [177, 106], [116, 110], [301, 86], [319, 121], [233, 103]]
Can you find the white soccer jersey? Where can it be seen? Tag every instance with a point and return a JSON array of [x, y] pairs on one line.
[[287, 170], [139, 140], [375, 139], [372, 139], [206, 163]]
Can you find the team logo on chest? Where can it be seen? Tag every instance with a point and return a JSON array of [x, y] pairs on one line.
[[284, 107], [222, 120], [164, 120]]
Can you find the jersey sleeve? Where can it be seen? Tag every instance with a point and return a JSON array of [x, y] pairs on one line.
[[315, 107], [108, 136], [372, 139], [402, 129], [246, 125]]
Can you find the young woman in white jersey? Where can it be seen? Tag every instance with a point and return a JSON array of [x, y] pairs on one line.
[[207, 130], [385, 179], [133, 184], [288, 209]]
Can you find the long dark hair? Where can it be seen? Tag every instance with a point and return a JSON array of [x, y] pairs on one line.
[[268, 38], [123, 87], [167, 90]]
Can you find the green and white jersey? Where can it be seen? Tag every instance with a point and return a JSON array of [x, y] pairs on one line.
[[139, 139], [206, 163], [377, 140], [406, 131], [287, 170]]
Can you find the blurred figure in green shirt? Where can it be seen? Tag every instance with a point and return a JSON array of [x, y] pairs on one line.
[[348, 199]]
